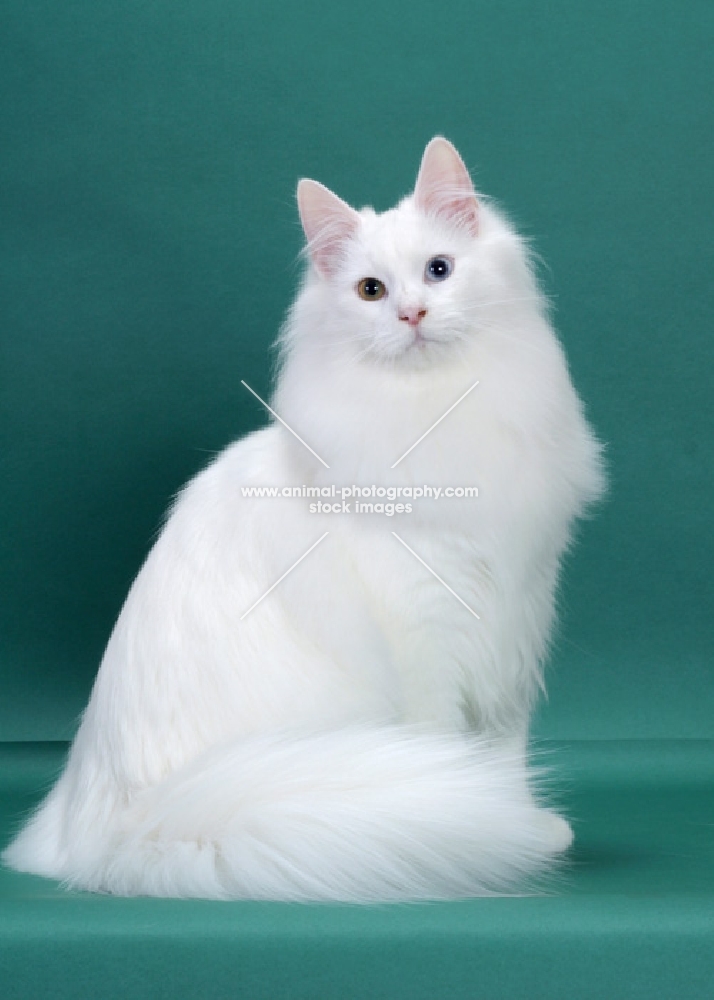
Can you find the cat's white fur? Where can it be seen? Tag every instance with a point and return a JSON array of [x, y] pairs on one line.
[[360, 734]]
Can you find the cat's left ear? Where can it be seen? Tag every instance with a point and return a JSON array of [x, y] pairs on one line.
[[328, 223], [443, 186]]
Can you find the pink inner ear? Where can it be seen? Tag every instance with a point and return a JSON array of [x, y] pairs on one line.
[[444, 187], [328, 223]]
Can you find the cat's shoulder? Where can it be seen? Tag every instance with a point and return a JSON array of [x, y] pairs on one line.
[[254, 460], [250, 458]]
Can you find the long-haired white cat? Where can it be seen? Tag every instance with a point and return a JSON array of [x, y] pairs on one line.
[[357, 732]]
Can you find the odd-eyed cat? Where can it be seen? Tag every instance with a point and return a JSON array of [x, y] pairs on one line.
[[358, 731]]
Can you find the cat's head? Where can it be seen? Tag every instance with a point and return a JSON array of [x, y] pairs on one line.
[[415, 284]]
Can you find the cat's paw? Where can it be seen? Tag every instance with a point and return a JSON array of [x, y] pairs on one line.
[[556, 830]]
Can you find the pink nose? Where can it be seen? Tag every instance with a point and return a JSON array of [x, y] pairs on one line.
[[412, 316]]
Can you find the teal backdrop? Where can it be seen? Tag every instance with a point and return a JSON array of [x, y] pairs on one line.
[[150, 152]]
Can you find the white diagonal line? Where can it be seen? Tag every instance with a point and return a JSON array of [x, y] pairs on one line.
[[442, 582], [452, 407], [245, 614], [277, 417]]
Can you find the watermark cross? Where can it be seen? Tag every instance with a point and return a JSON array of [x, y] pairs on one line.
[[399, 539]]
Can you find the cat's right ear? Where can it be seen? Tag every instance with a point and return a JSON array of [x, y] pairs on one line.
[[328, 223]]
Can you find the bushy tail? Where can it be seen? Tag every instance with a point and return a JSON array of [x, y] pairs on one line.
[[367, 815]]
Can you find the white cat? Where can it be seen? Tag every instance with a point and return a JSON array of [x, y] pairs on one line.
[[358, 734]]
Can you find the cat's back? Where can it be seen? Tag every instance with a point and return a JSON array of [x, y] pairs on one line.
[[196, 654], [244, 467]]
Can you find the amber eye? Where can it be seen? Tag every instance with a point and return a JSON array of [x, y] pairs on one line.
[[371, 289]]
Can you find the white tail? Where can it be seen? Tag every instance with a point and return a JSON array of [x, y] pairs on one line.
[[356, 815]]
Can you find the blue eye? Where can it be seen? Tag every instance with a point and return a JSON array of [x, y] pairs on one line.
[[438, 268]]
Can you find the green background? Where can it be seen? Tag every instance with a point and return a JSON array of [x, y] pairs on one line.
[[148, 251], [149, 242]]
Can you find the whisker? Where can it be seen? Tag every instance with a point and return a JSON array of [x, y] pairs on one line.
[[500, 302]]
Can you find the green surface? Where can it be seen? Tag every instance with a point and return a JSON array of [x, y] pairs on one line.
[[147, 254], [631, 918]]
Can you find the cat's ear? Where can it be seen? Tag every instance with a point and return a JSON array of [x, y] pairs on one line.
[[328, 223], [443, 186]]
